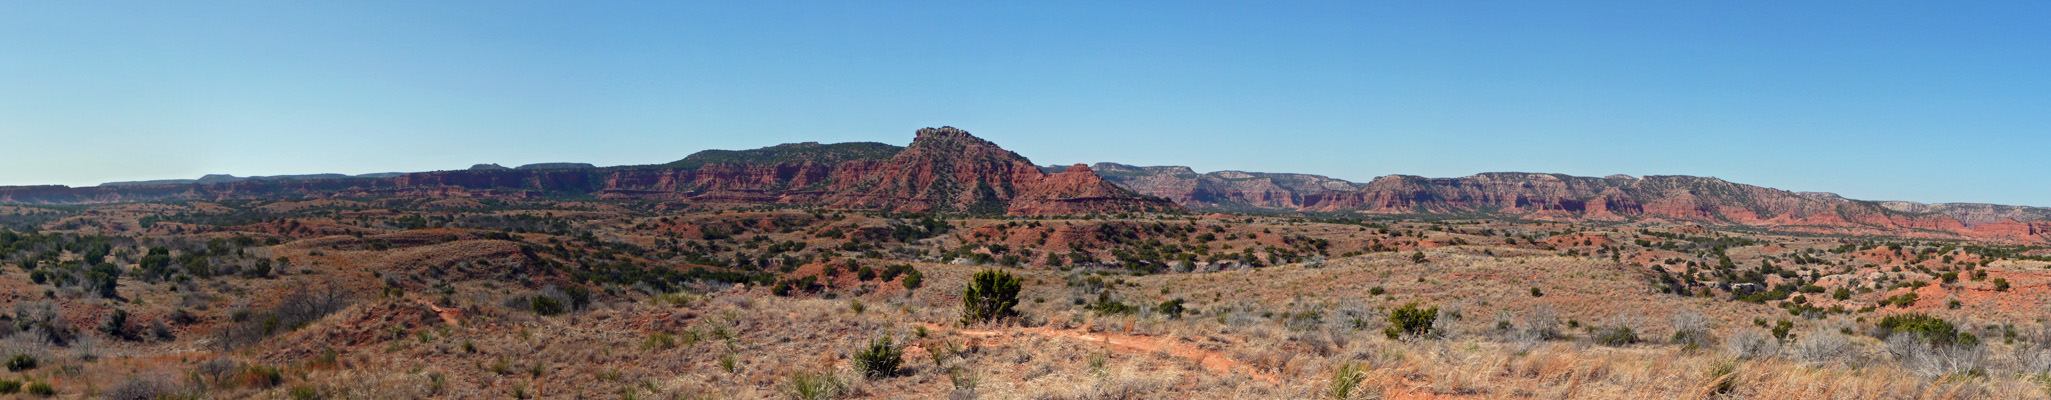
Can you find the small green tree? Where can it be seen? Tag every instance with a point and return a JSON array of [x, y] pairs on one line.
[[990, 295], [1172, 308]]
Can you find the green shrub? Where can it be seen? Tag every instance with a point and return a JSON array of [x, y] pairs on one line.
[[1172, 308], [1537, 293], [880, 359], [545, 305], [913, 279], [10, 386], [1781, 329], [1617, 336], [2000, 284], [1903, 300], [990, 295], [1933, 330], [1411, 321], [305, 393], [21, 362]]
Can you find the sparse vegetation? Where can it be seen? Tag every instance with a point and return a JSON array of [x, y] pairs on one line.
[[393, 299]]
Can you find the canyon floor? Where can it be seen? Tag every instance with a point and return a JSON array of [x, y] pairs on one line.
[[382, 298]]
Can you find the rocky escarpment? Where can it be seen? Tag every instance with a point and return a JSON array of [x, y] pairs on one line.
[[1564, 197], [1223, 189], [943, 170]]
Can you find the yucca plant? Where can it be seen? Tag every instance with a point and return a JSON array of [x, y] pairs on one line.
[[881, 359]]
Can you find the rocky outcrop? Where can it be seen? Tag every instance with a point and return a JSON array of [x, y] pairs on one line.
[[943, 170], [1078, 189], [1973, 214], [948, 170], [543, 166]]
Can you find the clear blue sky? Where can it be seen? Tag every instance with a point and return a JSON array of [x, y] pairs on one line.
[[1924, 101]]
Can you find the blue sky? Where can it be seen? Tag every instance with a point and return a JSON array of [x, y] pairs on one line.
[[1923, 101]]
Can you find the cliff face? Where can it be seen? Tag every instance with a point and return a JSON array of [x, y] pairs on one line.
[[1563, 197], [949, 170], [944, 169]]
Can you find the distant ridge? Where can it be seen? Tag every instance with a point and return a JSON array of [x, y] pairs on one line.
[[949, 170], [1616, 198], [942, 170], [217, 178]]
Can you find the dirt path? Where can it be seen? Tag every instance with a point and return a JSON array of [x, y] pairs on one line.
[[1214, 361]]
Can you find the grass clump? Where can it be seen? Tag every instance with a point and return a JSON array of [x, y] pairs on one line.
[[660, 341], [881, 359], [304, 393], [21, 362], [40, 389], [1722, 378], [1345, 380], [805, 385]]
